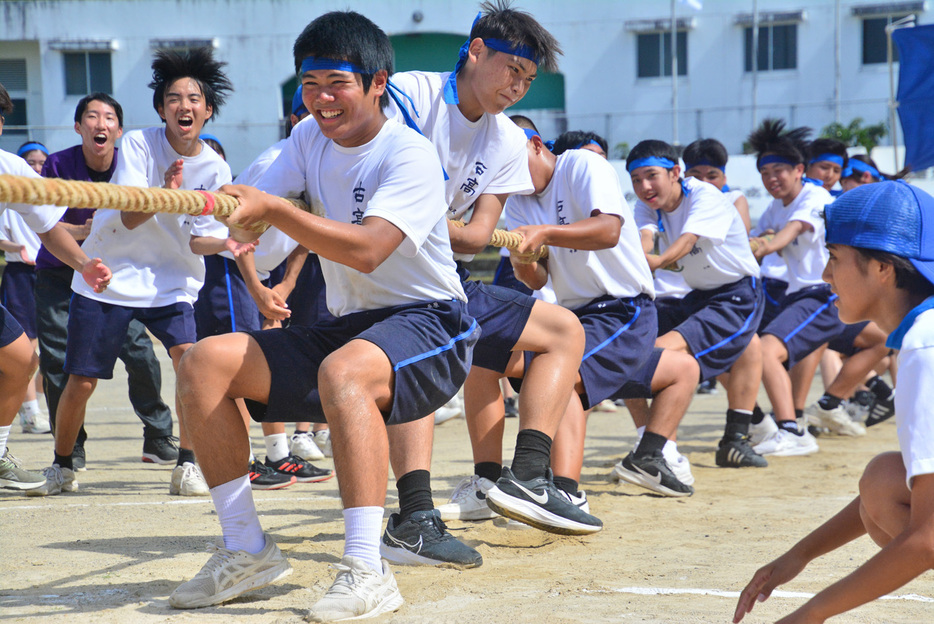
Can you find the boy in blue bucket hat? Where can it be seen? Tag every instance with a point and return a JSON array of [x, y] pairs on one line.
[[881, 242]]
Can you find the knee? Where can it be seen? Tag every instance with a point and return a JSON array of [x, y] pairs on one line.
[[772, 348], [195, 366], [569, 333], [881, 478]]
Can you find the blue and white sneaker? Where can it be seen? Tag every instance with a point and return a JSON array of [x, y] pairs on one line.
[[424, 539], [540, 504]]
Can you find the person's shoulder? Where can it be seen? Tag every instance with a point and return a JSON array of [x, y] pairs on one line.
[[816, 194], [703, 192], [584, 163], [69, 154], [920, 337], [13, 164]]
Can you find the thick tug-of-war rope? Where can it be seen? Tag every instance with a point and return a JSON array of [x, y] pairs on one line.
[[44, 191], [511, 241]]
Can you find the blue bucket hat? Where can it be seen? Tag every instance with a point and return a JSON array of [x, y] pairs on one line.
[[890, 216]]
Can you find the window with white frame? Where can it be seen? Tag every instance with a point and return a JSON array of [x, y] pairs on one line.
[[653, 53], [778, 47], [875, 18]]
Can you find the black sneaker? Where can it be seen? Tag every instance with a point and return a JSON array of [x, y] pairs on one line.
[[423, 539], [734, 451], [540, 504], [78, 459], [262, 477], [653, 473], [512, 407], [881, 410], [162, 450], [304, 472]]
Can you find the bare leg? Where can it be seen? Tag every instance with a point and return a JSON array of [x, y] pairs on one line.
[[885, 501], [802, 375], [742, 387], [567, 451], [18, 361], [673, 387], [775, 378], [71, 410], [409, 445], [485, 415], [871, 342]]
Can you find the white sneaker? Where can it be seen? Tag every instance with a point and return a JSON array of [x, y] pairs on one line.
[[580, 500], [678, 463], [468, 502], [452, 409], [836, 421], [323, 440], [606, 405], [228, 573], [786, 444], [358, 592], [303, 445], [34, 423], [57, 480], [762, 431], [187, 480]]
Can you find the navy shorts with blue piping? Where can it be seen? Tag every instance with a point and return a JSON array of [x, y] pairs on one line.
[[224, 304], [10, 329], [844, 344], [774, 298], [17, 294], [808, 320]]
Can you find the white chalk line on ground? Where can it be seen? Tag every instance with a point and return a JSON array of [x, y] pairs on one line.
[[200, 501], [674, 591]]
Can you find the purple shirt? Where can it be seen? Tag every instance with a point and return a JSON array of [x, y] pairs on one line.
[[69, 164]]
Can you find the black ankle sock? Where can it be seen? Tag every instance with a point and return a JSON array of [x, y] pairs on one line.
[[185, 455], [757, 415], [790, 426], [533, 454], [414, 493], [64, 461], [298, 432], [568, 485], [488, 470], [650, 444], [737, 422], [828, 402], [879, 388], [799, 414]]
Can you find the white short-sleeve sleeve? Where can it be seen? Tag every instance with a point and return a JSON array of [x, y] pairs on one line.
[[646, 218], [710, 215], [913, 409]]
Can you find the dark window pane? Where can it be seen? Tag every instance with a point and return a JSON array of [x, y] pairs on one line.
[[16, 118], [875, 42], [76, 78], [785, 46], [99, 70], [649, 55], [682, 42], [763, 55]]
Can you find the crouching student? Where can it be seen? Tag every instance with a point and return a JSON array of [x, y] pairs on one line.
[[882, 274]]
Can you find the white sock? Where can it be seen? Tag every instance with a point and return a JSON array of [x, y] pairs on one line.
[[31, 407], [237, 514], [363, 527], [277, 447], [4, 436], [252, 457], [670, 448], [640, 431]]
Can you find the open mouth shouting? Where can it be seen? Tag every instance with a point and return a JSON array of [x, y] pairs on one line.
[[185, 122], [100, 139]]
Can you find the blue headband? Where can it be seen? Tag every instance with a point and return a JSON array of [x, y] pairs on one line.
[[531, 133], [833, 158], [651, 161], [590, 142], [522, 51], [774, 158], [211, 137], [298, 105], [860, 166], [703, 162], [311, 64], [30, 147]]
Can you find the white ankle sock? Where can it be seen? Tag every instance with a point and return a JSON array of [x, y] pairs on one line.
[[277, 447], [237, 514], [363, 527], [4, 436], [31, 407]]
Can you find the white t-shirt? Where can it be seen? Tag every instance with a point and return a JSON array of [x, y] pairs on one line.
[[397, 177], [15, 230], [274, 246], [582, 183], [721, 255], [806, 256], [547, 292], [487, 156], [153, 265], [914, 417], [39, 219]]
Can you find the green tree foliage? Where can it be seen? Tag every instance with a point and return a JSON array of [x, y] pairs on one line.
[[856, 133]]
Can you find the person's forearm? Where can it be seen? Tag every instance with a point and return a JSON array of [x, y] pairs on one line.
[[678, 249], [63, 246]]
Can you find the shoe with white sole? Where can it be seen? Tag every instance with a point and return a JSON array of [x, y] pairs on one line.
[[468, 502], [14, 477], [836, 421], [57, 480], [303, 445], [653, 473], [539, 503], [187, 480], [358, 592], [784, 443], [323, 440]]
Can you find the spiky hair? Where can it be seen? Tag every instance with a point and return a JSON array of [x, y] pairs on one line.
[[500, 21], [772, 138], [198, 64]]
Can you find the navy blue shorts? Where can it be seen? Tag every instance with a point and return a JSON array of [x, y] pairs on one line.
[[17, 294], [717, 324], [224, 304], [505, 276], [10, 328], [428, 344], [808, 319], [843, 344], [308, 301], [774, 298], [502, 314], [97, 332]]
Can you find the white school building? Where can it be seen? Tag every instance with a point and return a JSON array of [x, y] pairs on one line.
[[818, 62]]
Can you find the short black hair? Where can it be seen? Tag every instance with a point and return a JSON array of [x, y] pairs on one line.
[[6, 104], [826, 146], [98, 96], [347, 36], [907, 277], [498, 20], [198, 64], [649, 148], [771, 137], [706, 151], [523, 122], [573, 139], [216, 146]]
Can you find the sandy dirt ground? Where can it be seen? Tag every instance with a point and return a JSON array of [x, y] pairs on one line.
[[113, 551]]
